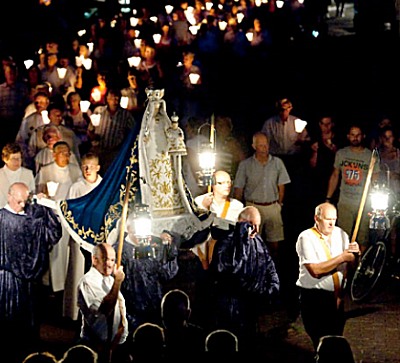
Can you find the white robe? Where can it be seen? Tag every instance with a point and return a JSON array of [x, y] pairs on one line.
[[65, 176], [76, 260]]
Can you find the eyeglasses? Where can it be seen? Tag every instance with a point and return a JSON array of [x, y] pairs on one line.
[[20, 202]]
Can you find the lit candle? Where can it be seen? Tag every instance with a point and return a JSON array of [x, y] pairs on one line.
[[90, 46], [52, 188], [193, 29], [222, 25], [45, 116], [169, 8], [134, 61], [124, 102], [79, 61], [133, 21], [28, 63], [96, 95], [249, 36], [239, 17], [95, 119], [279, 4], [61, 72], [87, 63], [299, 125], [194, 78], [156, 38], [84, 105]]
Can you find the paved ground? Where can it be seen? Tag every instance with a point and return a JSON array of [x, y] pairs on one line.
[[372, 329]]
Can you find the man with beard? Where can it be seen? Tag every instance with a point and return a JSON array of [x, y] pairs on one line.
[[351, 166]]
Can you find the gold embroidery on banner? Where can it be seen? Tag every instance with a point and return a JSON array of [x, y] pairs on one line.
[[113, 212]]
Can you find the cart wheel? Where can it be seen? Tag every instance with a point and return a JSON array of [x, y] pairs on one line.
[[368, 271]]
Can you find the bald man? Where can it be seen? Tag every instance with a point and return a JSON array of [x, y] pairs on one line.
[[260, 181], [227, 210], [217, 200], [28, 232], [325, 256], [245, 278], [104, 323], [224, 207]]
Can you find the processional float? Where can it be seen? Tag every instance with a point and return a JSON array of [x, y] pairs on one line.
[[147, 172]]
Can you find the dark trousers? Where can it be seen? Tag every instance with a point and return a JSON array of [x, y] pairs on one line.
[[320, 314]]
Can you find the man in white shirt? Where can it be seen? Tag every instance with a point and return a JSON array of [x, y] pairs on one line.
[[227, 211], [220, 203], [104, 323], [325, 255]]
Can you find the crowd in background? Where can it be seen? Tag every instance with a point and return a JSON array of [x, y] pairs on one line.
[[248, 58]]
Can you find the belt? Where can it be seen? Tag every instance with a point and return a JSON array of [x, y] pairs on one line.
[[263, 204]]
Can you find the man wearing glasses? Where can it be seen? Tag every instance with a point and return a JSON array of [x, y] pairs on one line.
[[64, 173], [223, 206], [28, 231], [219, 201], [227, 210]]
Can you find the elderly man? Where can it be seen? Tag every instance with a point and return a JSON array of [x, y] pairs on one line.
[[325, 256], [245, 277], [220, 203], [260, 181], [28, 231], [104, 323]]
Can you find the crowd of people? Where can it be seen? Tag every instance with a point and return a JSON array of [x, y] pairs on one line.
[[263, 200]]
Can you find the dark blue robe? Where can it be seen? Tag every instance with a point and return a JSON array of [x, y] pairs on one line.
[[245, 280], [145, 276], [25, 241]]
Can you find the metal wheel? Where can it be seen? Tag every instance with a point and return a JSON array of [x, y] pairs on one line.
[[368, 271]]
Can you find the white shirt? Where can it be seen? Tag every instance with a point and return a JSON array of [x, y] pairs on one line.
[[232, 215], [93, 287], [65, 176], [82, 187], [310, 250], [234, 209]]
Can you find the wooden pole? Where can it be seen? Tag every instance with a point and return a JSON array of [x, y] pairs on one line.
[[212, 142], [364, 196], [212, 131], [122, 224]]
